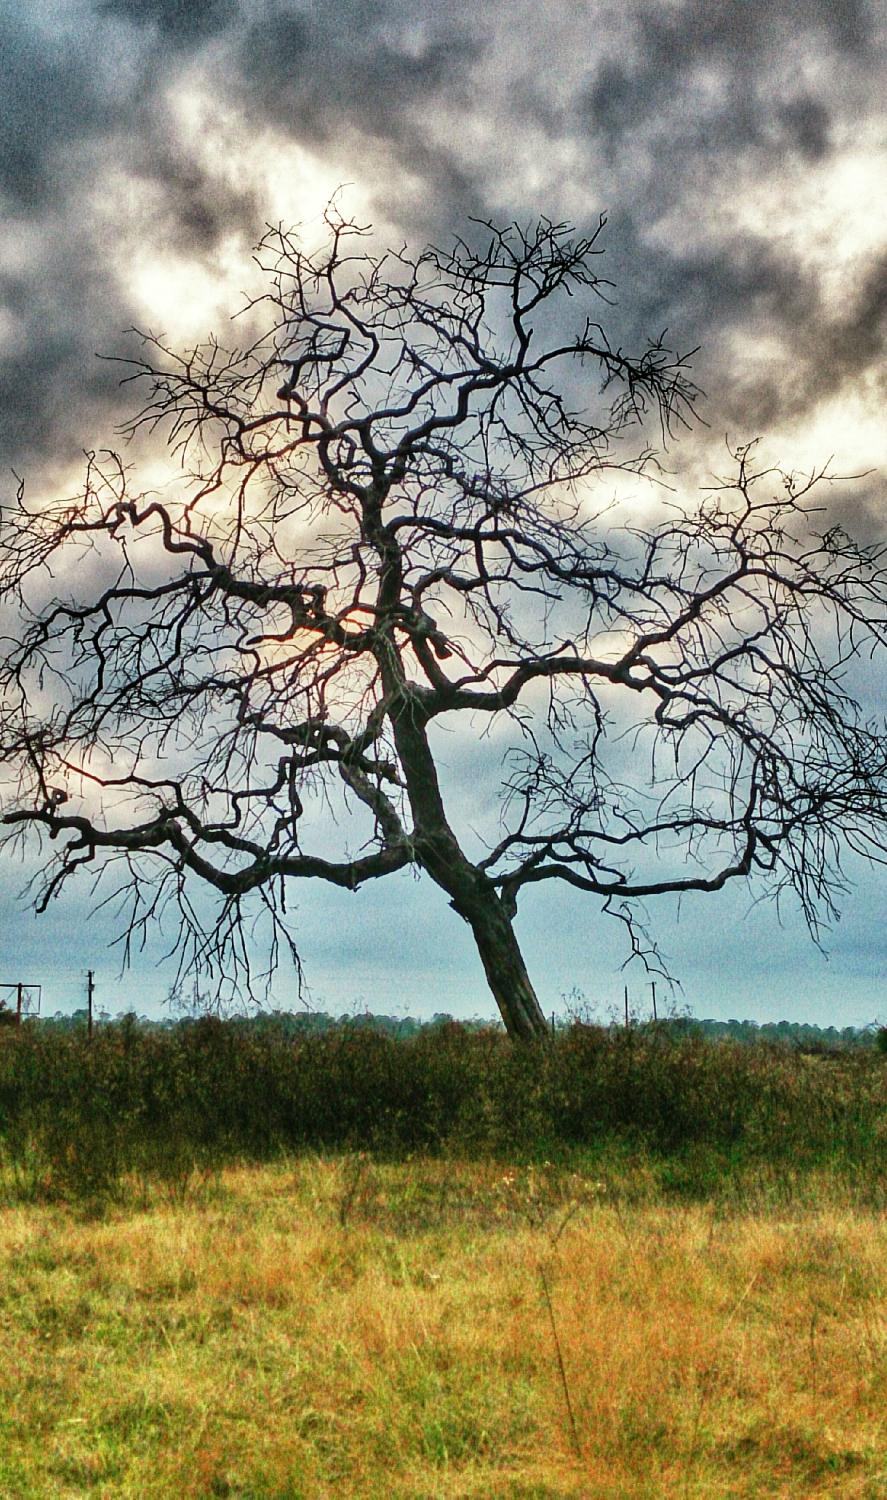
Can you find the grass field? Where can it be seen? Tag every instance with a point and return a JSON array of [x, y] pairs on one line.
[[340, 1326]]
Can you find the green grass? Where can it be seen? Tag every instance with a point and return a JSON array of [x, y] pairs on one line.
[[613, 1265], [353, 1327]]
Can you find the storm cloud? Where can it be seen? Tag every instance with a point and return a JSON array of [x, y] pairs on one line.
[[710, 132]]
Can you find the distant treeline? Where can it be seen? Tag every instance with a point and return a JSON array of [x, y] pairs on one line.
[[798, 1034]]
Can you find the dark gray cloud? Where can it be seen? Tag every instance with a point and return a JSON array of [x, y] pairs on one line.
[[806, 124], [181, 21], [758, 287], [719, 58], [51, 385], [49, 93], [374, 79], [654, 101], [65, 122], [66, 119], [702, 95], [362, 70]]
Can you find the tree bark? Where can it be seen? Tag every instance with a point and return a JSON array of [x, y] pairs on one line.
[[471, 893], [435, 845], [504, 967]]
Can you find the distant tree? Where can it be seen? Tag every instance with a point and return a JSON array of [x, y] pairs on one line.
[[385, 522]]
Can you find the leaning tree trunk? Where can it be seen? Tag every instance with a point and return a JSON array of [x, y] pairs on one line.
[[435, 845], [504, 967], [479, 904], [471, 893]]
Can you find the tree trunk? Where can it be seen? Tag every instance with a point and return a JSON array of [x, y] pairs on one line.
[[505, 969], [435, 845]]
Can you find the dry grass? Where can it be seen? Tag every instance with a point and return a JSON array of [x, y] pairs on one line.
[[340, 1327]]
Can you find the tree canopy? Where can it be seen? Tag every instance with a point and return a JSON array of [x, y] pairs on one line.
[[391, 512]]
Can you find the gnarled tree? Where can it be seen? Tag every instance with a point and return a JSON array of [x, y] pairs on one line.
[[385, 517]]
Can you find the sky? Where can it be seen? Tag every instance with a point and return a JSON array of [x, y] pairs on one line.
[[738, 149]]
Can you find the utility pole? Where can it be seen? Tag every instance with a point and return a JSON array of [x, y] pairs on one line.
[[90, 987], [19, 1003], [653, 987], [626, 1008]]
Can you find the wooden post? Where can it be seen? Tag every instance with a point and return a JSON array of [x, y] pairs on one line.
[[90, 987]]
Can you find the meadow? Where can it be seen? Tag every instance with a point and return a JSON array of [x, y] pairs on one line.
[[620, 1265]]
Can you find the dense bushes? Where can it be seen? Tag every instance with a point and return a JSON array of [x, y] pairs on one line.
[[79, 1116]]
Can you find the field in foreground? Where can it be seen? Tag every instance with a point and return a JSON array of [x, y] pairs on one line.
[[435, 1328]]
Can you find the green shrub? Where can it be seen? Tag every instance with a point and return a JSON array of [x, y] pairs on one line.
[[80, 1118]]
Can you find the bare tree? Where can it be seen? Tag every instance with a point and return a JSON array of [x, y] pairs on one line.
[[383, 518]]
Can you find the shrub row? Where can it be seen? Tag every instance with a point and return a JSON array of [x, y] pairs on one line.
[[79, 1114]]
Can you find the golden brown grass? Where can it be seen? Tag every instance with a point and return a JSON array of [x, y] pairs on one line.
[[341, 1327]]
